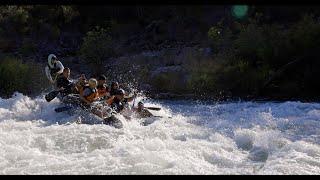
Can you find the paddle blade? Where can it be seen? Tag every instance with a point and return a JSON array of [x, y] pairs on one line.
[[49, 97], [113, 121], [61, 109], [153, 108], [170, 117]]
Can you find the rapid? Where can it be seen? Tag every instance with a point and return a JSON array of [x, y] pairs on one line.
[[192, 137]]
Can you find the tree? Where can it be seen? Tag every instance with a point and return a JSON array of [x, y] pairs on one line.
[[96, 48]]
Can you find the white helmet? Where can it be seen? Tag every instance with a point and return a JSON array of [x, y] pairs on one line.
[[93, 82], [50, 59]]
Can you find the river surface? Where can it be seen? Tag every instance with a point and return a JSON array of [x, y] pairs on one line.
[[191, 138]]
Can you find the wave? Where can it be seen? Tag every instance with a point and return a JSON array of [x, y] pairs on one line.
[[200, 138]]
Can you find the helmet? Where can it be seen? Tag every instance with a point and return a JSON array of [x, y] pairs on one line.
[[102, 77], [50, 58], [140, 103], [93, 81], [120, 92], [114, 83]]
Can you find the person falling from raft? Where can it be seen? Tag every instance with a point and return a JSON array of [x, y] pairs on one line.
[[64, 86], [53, 69]]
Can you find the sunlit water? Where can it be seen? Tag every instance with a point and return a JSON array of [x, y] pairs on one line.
[[191, 138]]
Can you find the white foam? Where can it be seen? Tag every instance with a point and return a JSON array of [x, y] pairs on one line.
[[230, 138]]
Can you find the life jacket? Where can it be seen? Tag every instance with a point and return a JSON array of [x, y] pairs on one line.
[[93, 94], [102, 90], [110, 100], [113, 91], [81, 87], [54, 70], [115, 104]]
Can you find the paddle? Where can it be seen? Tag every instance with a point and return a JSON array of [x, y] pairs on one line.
[[50, 96], [53, 94], [153, 108], [170, 117], [134, 99], [61, 109]]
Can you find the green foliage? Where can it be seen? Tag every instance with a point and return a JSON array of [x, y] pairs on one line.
[[215, 36], [69, 13], [14, 19], [27, 47], [256, 51], [202, 82], [246, 52], [97, 47], [15, 75], [243, 79], [23, 20], [220, 37], [168, 82], [304, 35], [55, 32], [248, 40]]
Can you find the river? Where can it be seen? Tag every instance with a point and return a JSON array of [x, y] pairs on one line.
[[193, 137]]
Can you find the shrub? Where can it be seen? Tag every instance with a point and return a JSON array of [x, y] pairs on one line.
[[27, 78], [96, 48], [27, 47], [14, 19], [220, 38], [304, 36], [247, 42], [202, 83], [55, 32], [69, 13], [168, 82]]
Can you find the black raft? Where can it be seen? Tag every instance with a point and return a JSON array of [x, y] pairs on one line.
[[72, 101]]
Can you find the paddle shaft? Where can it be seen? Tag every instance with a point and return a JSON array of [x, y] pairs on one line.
[[153, 108]]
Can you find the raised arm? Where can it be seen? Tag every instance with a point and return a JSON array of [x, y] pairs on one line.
[[47, 70], [59, 64]]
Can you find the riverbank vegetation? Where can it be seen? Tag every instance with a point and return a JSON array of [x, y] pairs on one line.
[[203, 51]]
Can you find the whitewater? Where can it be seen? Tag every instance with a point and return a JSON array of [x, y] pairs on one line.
[[192, 137]]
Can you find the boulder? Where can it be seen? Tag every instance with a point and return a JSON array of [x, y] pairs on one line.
[[167, 69]]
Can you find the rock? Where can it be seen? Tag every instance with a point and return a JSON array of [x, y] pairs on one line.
[[173, 96], [207, 51], [167, 69], [150, 53]]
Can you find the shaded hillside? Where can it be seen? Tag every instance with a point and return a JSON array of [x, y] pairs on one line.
[[190, 51]]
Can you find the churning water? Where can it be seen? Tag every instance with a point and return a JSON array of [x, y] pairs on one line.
[[191, 138]]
